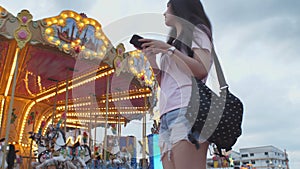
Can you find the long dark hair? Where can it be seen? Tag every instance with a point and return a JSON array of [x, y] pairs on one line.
[[191, 14]]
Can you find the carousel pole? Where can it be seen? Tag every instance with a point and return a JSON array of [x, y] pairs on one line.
[[10, 108], [106, 117], [55, 100], [31, 142], [95, 135], [119, 127], [144, 165], [33, 127], [66, 105], [90, 123], [119, 119], [67, 97]]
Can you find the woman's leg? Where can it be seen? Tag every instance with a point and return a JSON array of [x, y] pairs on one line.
[[185, 155], [168, 164]]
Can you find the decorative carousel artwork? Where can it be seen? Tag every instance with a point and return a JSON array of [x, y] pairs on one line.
[[75, 33], [140, 66], [22, 33], [119, 63]]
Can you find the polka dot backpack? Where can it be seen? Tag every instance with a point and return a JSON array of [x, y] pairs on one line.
[[214, 117]]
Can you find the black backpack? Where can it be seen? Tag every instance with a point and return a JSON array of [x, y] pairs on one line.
[[216, 118]]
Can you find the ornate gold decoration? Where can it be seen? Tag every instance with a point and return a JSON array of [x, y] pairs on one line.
[[3, 14], [119, 59], [22, 33], [76, 34], [141, 68]]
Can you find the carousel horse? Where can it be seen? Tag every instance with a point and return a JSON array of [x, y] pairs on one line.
[[57, 158], [87, 156], [82, 151], [120, 160], [70, 153], [1, 153], [43, 151], [125, 157]]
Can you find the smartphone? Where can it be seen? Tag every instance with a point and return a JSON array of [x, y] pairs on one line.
[[135, 41]]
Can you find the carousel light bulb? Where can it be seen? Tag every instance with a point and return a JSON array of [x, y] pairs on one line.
[[51, 38], [73, 44], [77, 18], [106, 42], [64, 16], [54, 21], [49, 23], [61, 21], [98, 34], [81, 24], [57, 42], [48, 30]]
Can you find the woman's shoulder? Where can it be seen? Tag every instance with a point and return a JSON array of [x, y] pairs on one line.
[[201, 29], [202, 38]]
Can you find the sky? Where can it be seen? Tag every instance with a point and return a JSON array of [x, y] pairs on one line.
[[257, 43]]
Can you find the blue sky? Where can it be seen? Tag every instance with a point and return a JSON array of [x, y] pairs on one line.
[[257, 42]]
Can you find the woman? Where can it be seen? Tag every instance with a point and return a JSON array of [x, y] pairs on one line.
[[186, 54]]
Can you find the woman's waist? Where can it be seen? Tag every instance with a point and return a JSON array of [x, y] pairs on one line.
[[175, 92], [178, 110]]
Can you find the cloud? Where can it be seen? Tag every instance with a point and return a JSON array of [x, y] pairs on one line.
[[294, 94], [257, 42]]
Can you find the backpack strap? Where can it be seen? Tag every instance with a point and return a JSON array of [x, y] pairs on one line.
[[220, 74]]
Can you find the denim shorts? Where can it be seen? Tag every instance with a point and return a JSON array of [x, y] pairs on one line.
[[174, 127]]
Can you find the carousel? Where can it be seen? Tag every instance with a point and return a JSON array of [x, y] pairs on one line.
[[61, 74]]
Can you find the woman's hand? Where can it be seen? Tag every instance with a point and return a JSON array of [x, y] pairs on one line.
[[151, 46]]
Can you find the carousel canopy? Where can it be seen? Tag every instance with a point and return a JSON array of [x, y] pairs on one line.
[[67, 69]]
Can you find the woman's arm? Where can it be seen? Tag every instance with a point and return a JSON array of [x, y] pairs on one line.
[[151, 57], [197, 66]]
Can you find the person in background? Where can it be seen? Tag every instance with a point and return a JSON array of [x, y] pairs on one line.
[[11, 157]]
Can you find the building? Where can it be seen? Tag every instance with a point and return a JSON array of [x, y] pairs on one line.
[[264, 157], [267, 157]]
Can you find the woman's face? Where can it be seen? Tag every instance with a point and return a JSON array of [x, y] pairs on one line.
[[170, 18]]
